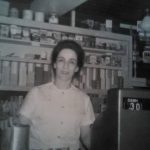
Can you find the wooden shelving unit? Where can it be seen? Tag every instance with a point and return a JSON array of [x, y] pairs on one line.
[[108, 73]]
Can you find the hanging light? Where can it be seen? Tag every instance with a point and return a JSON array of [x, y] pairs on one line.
[[143, 27], [145, 35], [145, 24]]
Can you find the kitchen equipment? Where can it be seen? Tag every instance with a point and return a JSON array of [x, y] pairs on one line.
[[20, 137], [15, 137], [128, 119]]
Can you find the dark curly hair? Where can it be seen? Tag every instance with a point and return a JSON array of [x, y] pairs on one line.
[[69, 44]]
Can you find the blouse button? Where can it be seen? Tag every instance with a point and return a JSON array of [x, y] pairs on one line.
[[58, 136]]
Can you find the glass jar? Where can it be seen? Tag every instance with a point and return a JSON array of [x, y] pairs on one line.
[[53, 18]]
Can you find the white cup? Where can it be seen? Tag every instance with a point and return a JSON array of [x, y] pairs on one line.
[[39, 16]]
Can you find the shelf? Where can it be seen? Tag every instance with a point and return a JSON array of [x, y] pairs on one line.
[[100, 50], [63, 28], [14, 88], [25, 42], [17, 59], [16, 41], [105, 39], [101, 44], [138, 82], [102, 66], [26, 89], [95, 91], [43, 44]]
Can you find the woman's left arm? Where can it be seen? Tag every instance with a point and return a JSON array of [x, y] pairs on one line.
[[86, 125], [85, 136]]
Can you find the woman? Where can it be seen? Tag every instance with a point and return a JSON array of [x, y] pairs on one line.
[[59, 114]]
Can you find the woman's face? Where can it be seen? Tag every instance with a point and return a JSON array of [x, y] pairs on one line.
[[66, 65]]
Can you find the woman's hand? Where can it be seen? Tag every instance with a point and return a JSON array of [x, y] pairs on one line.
[[20, 119]]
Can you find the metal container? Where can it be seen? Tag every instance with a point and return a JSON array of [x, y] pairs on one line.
[[20, 137]]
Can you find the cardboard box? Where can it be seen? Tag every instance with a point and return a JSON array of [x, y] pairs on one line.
[[4, 8]]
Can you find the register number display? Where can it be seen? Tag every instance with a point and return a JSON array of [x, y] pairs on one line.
[[136, 104]]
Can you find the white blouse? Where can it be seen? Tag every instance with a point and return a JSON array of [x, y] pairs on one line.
[[56, 116]]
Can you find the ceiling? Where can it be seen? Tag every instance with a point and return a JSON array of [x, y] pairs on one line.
[[124, 10], [127, 11]]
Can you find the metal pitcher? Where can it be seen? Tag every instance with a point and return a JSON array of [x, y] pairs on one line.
[[20, 137], [15, 138]]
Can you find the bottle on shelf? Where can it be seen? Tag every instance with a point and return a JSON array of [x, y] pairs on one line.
[[53, 18]]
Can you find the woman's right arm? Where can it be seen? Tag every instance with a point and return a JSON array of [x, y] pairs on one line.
[[25, 113], [21, 119]]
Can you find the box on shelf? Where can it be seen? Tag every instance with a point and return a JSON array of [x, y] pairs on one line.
[[4, 8]]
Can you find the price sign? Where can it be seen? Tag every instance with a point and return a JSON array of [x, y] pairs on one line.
[[136, 104]]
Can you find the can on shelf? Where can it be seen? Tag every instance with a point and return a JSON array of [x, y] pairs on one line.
[[27, 14], [39, 16]]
